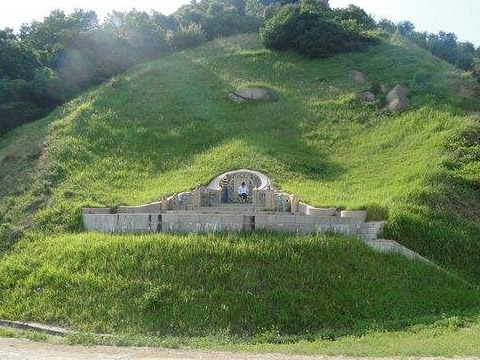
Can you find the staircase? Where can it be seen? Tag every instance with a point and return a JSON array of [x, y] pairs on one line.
[[238, 209]]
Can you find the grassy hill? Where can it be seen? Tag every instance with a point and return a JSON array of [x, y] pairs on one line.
[[168, 125]]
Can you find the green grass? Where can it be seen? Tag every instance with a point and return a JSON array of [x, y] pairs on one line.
[[246, 285], [167, 126], [449, 337], [24, 334]]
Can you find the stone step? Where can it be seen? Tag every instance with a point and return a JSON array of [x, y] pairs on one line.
[[221, 210], [391, 246]]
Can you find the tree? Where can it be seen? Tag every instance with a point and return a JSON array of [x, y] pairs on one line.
[[405, 28], [357, 15], [465, 55], [387, 25], [16, 61], [309, 30], [281, 2], [476, 68], [219, 17], [419, 39], [444, 46]]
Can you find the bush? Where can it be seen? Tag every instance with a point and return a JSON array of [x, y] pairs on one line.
[[186, 37], [356, 14], [311, 31]]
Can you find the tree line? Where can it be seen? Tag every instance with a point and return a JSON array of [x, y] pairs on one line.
[[48, 62], [444, 45]]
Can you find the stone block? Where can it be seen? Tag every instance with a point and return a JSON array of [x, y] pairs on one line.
[[359, 214], [188, 218]]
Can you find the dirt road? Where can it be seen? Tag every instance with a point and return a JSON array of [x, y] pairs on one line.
[[19, 349]]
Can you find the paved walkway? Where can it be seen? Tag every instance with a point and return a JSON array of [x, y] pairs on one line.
[[19, 349]]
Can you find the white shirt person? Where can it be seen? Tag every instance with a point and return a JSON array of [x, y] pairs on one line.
[[243, 191]]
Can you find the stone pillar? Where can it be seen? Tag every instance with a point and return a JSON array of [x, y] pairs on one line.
[[270, 202], [165, 204], [197, 198], [294, 202], [255, 197]]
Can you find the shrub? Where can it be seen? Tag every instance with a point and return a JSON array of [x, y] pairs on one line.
[[186, 37], [311, 31], [357, 15]]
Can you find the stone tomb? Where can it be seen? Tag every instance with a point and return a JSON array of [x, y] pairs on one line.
[[218, 208]]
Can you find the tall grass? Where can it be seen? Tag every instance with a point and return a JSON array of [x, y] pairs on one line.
[[198, 285]]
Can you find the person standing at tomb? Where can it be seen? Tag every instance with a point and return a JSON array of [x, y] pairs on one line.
[[243, 192]]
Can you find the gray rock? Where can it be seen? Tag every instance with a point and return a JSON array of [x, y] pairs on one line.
[[235, 98], [397, 99], [385, 88], [253, 94], [358, 77], [366, 96]]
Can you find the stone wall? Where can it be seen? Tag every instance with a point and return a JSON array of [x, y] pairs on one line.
[[185, 222], [214, 208]]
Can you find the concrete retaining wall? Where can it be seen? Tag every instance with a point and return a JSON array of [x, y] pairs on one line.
[[205, 223], [110, 223], [192, 222], [390, 246]]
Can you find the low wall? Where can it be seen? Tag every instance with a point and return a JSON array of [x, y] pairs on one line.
[[206, 223], [110, 223]]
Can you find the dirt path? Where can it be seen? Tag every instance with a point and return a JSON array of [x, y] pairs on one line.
[[19, 349]]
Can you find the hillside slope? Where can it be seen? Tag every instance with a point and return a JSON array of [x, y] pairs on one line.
[[244, 285], [167, 125]]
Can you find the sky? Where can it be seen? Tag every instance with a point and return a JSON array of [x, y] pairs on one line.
[[461, 16]]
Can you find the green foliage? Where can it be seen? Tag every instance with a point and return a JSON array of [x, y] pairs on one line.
[[53, 59], [387, 25], [476, 68], [16, 61], [186, 37], [218, 17], [405, 28], [443, 45], [357, 15], [312, 31]]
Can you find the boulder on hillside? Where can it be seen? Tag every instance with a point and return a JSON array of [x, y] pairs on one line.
[[366, 96], [385, 88], [235, 98], [359, 77], [397, 99], [253, 94]]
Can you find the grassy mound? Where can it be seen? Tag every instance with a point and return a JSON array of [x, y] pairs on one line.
[[168, 125], [242, 284]]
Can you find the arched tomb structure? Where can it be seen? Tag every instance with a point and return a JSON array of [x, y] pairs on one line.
[[216, 207]]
